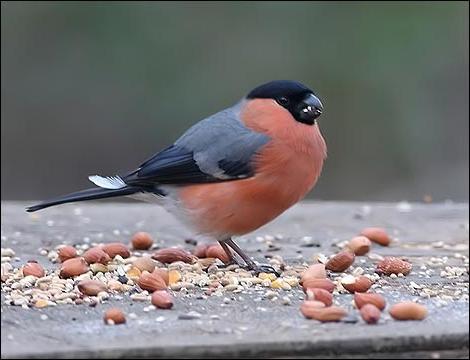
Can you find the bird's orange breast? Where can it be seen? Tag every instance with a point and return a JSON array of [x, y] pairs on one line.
[[286, 169]]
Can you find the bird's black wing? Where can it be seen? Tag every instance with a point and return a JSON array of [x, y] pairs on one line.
[[173, 165]]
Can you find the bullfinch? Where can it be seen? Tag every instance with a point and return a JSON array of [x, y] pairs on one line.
[[231, 172]]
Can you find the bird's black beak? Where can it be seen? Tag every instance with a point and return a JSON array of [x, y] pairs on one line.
[[310, 109]]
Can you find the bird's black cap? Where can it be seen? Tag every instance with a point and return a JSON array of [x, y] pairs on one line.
[[278, 88]]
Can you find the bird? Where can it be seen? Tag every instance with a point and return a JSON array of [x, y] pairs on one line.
[[232, 172]]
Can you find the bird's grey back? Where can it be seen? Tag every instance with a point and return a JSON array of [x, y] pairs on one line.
[[222, 145]]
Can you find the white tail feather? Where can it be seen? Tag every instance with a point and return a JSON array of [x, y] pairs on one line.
[[107, 182]]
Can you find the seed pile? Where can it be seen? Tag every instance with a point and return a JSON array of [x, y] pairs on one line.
[[90, 274]]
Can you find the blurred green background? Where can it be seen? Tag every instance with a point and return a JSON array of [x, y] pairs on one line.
[[98, 87]]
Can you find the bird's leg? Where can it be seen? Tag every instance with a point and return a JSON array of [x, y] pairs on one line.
[[250, 264], [231, 258]]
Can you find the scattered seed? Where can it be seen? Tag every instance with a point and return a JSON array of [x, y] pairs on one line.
[[286, 300], [192, 315]]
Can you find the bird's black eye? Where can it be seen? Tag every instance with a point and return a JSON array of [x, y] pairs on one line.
[[283, 101]]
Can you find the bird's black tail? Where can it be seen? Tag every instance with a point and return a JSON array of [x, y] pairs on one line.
[[89, 194]]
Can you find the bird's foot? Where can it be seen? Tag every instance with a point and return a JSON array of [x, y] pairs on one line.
[[250, 264], [256, 269], [263, 268]]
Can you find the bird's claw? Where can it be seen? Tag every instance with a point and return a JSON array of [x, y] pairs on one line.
[[263, 268], [257, 269]]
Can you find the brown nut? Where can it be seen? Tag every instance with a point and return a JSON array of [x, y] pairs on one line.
[[162, 300], [34, 269], [325, 284], [393, 265], [200, 250], [377, 235], [370, 313], [170, 255], [96, 255], [117, 286], [323, 314], [73, 267], [114, 316], [113, 249], [315, 271], [145, 263], [91, 287], [141, 241], [361, 299], [359, 245], [356, 284], [216, 251], [164, 274], [408, 310], [151, 282], [341, 261], [310, 304], [66, 252], [321, 295]]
